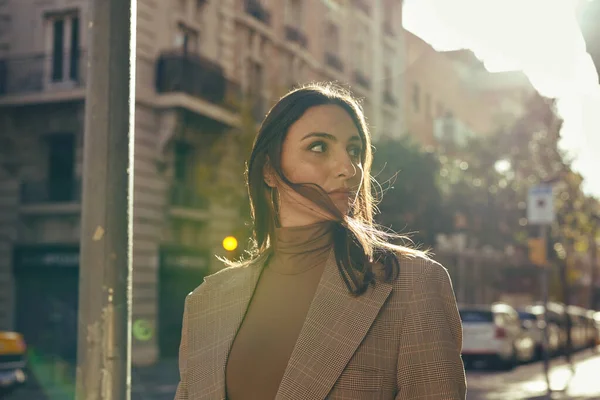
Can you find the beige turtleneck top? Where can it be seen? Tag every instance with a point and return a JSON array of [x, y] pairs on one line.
[[277, 311]]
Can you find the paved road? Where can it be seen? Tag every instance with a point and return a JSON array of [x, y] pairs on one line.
[[526, 382]]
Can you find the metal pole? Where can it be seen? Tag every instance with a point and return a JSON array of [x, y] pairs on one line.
[[594, 257], [546, 341], [104, 336]]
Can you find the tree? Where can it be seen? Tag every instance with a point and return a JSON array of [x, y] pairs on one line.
[[489, 181], [412, 201]]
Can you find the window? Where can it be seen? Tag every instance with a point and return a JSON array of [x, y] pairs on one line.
[[360, 44], [476, 316], [388, 69], [428, 105], [255, 76], [332, 38], [61, 166], [186, 39], [183, 155], [416, 97], [294, 13], [63, 44], [200, 9], [289, 72]]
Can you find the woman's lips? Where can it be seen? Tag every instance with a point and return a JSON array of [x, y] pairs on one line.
[[340, 194]]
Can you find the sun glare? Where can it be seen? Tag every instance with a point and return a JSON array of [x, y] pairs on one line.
[[540, 37]]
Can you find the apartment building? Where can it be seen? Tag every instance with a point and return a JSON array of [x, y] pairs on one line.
[[200, 64], [450, 96]]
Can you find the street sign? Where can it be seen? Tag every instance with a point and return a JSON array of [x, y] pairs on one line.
[[540, 205]]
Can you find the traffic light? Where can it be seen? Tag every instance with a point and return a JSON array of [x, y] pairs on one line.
[[230, 243]]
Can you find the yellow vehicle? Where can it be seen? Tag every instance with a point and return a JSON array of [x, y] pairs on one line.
[[12, 359]]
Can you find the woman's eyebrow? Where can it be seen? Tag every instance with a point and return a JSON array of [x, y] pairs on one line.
[[329, 136], [321, 135]]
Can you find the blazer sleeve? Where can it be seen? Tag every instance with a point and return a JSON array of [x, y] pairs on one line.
[[182, 387], [429, 360]]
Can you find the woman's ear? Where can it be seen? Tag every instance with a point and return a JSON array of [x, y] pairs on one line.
[[269, 174]]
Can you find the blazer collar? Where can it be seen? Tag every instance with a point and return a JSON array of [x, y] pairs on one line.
[[326, 355]]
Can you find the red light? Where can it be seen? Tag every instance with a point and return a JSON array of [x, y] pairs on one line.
[[500, 333]]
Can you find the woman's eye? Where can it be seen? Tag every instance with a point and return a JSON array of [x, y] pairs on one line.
[[354, 152], [318, 147]]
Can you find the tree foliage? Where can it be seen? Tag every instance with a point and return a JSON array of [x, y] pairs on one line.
[[412, 200]]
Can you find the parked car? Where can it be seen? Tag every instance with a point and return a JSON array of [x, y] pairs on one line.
[[579, 327], [596, 317], [533, 321], [12, 360], [493, 334]]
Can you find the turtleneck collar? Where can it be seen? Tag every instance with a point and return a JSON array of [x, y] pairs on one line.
[[301, 248]]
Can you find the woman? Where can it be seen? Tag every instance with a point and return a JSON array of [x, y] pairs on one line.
[[326, 307]]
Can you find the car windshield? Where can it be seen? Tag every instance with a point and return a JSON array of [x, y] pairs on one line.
[[476, 316], [527, 316]]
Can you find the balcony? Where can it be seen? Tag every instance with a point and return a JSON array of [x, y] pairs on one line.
[[50, 197], [197, 76], [389, 98], [259, 107], [185, 195], [254, 8], [295, 35], [48, 191], [333, 61], [361, 79], [42, 72]]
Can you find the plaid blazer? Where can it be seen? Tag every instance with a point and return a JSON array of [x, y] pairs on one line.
[[399, 340]]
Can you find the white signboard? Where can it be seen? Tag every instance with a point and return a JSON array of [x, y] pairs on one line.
[[540, 205]]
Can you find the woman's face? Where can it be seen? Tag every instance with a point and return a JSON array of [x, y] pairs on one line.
[[323, 147]]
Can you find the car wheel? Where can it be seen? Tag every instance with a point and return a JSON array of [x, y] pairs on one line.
[[509, 364]]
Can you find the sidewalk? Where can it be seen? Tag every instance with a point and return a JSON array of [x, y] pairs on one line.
[[527, 382], [157, 382]]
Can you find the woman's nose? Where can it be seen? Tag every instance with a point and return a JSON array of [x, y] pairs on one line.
[[346, 167]]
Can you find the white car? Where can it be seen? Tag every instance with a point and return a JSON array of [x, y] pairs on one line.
[[533, 323], [493, 334]]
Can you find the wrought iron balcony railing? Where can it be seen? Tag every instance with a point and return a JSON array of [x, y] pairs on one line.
[[197, 76], [42, 72], [389, 98], [258, 11], [333, 60], [361, 79], [186, 195], [51, 191], [295, 35]]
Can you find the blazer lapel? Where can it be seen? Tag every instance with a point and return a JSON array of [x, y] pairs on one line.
[[216, 333], [335, 326]]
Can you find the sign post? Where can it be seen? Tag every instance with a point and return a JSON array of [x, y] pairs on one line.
[[540, 211], [105, 291]]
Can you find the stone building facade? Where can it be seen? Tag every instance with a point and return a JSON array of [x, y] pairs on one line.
[[200, 64]]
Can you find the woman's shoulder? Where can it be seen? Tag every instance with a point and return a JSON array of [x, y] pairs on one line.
[[230, 275], [418, 266]]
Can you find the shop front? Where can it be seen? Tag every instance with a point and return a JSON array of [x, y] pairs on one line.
[[47, 282], [182, 269]]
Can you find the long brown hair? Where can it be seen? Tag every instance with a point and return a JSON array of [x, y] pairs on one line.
[[358, 243]]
